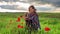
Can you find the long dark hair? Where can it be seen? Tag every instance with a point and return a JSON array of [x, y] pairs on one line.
[[33, 8]]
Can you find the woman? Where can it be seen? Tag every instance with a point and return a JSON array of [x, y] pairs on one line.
[[31, 18]]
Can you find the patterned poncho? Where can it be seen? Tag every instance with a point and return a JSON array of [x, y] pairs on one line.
[[33, 20]]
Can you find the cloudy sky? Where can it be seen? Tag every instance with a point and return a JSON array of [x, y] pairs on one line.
[[18, 5]]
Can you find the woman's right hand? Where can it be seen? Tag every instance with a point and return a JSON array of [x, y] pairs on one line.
[[24, 17]]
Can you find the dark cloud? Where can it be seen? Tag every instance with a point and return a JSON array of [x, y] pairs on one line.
[[19, 0], [10, 0], [14, 7], [54, 2], [43, 8], [57, 4], [11, 7]]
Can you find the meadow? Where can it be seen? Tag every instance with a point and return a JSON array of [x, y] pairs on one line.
[[9, 25]]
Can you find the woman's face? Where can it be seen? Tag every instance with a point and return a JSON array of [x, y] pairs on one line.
[[31, 10]]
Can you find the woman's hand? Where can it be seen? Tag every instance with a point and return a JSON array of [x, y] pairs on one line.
[[24, 17]]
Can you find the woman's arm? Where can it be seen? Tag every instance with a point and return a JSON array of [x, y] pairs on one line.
[[36, 19], [25, 16]]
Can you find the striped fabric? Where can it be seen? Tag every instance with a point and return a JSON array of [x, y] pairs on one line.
[[33, 21]]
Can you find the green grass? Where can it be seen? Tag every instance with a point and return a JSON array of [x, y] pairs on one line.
[[51, 20]]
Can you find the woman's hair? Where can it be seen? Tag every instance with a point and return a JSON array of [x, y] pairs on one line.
[[32, 8]]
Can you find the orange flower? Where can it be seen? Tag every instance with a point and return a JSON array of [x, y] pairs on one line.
[[18, 20], [19, 26], [47, 29]]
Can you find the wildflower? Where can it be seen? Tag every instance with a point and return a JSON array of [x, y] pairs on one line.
[[19, 26], [18, 20], [47, 29]]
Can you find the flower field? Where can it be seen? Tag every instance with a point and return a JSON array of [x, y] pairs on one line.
[[12, 23]]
